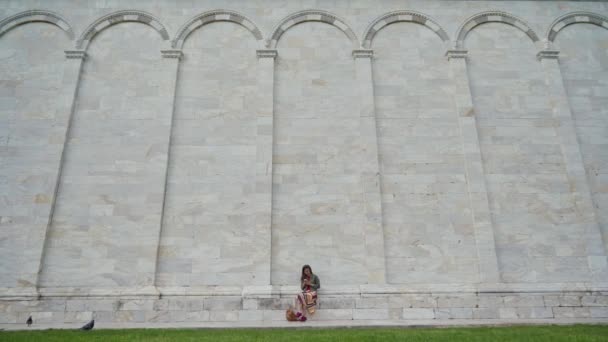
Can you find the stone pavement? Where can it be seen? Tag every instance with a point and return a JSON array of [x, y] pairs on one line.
[[317, 324]]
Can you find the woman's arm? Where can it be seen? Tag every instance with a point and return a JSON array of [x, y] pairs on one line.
[[316, 283]]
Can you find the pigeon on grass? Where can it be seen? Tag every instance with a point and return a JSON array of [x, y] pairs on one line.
[[88, 326]]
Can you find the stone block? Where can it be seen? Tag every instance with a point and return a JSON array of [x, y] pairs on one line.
[[224, 315], [489, 301], [534, 312], [333, 314], [571, 312], [372, 303], [9, 317], [40, 305], [370, 314], [274, 303], [131, 316], [250, 304], [158, 316], [274, 315], [453, 313], [106, 316], [223, 303], [135, 305], [418, 313], [594, 300], [469, 301], [569, 300], [485, 313], [78, 316], [336, 303], [91, 305], [523, 300], [418, 301], [551, 300], [197, 316], [507, 313], [250, 315], [599, 312]]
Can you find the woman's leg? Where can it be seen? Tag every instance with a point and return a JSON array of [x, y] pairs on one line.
[[301, 305]]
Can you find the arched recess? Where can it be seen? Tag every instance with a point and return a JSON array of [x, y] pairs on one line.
[[36, 16], [514, 118], [583, 65], [311, 15], [573, 18], [211, 170], [120, 17], [214, 16], [401, 16], [33, 119], [115, 154], [419, 143], [493, 17]]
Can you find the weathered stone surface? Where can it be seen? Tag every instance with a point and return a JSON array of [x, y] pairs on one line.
[[192, 184], [453, 313], [418, 313], [370, 314]]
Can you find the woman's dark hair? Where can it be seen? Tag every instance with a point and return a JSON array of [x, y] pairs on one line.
[[304, 275]]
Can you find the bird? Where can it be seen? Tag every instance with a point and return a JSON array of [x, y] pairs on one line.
[[88, 326], [29, 321]]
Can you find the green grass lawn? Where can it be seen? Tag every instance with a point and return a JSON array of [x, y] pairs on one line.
[[518, 333]]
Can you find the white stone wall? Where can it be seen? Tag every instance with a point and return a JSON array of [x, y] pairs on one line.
[[318, 214], [426, 212], [175, 148], [109, 201], [208, 233], [538, 238], [31, 127], [584, 64]]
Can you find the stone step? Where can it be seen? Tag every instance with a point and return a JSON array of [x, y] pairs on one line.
[[317, 324]]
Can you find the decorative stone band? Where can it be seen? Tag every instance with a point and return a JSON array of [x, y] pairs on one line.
[[456, 54], [75, 54], [548, 54], [120, 17], [267, 53], [172, 54], [364, 53], [401, 16], [33, 16], [214, 16], [311, 15], [573, 18], [490, 17]]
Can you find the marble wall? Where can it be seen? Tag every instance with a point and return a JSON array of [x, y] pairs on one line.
[[383, 148]]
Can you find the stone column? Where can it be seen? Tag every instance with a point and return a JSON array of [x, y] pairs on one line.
[[476, 183], [573, 160], [36, 242], [264, 142], [370, 169], [171, 59]]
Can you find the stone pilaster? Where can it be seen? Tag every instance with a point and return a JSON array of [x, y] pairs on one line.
[[573, 160], [171, 59], [264, 142], [476, 183], [36, 243], [370, 169]]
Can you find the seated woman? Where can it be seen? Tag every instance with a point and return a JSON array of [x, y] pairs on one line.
[[306, 301]]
